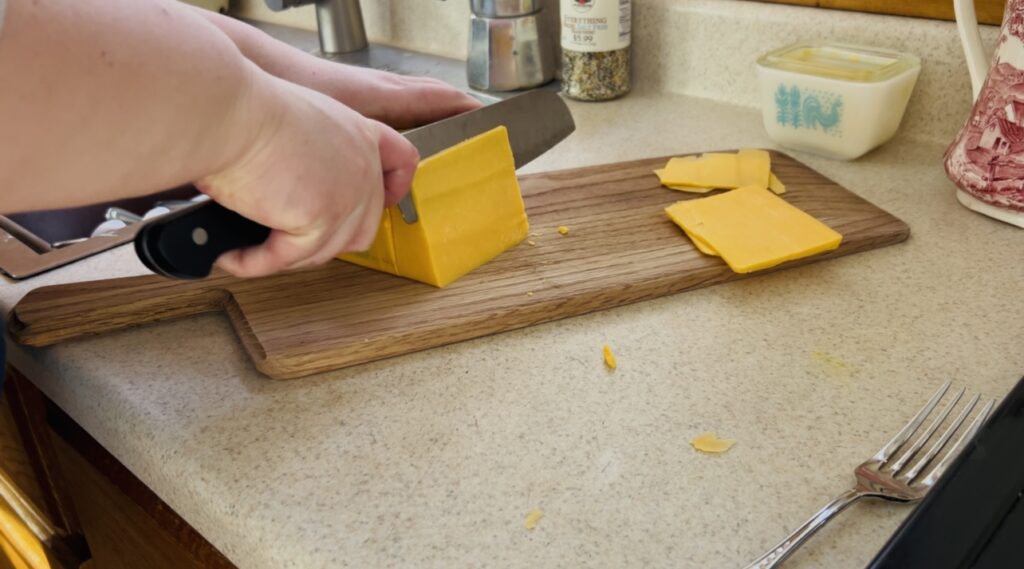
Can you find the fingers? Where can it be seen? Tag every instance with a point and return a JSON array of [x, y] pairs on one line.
[[324, 182], [443, 99], [279, 252], [315, 246], [350, 228], [398, 160], [417, 101]]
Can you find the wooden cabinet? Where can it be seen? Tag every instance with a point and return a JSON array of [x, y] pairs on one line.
[[103, 515], [989, 11]]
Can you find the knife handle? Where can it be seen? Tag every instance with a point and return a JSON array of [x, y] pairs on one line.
[[185, 243]]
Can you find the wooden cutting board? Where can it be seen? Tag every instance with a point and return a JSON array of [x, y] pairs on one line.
[[621, 249]]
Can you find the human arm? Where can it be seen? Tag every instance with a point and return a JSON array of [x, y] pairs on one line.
[[397, 100], [113, 98]]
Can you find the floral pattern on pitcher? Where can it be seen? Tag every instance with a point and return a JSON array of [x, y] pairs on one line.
[[987, 158]]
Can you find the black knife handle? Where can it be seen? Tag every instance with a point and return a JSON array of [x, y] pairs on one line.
[[185, 243]]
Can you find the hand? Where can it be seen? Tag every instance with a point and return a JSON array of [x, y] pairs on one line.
[[402, 102], [397, 100], [314, 171]]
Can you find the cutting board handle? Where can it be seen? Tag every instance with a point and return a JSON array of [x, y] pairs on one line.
[[50, 314]]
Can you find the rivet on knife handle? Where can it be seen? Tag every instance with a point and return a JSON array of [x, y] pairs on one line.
[[184, 244]]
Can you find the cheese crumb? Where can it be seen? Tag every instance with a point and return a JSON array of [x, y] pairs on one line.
[[532, 243], [563, 230], [529, 293], [532, 518], [609, 357], [710, 443]]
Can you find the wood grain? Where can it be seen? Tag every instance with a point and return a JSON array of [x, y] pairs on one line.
[[121, 533], [988, 11], [28, 410], [621, 249], [14, 462]]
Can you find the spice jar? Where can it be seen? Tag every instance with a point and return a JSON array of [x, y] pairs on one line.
[[595, 49]]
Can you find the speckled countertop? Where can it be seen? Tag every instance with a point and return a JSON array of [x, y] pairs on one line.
[[435, 459]]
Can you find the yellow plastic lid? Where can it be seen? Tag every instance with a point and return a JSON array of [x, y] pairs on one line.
[[846, 62]]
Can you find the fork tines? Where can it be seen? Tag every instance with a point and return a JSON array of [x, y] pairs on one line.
[[897, 453]]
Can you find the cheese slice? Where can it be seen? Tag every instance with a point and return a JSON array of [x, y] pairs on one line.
[[752, 228], [776, 185], [755, 167], [701, 244], [470, 211], [719, 170], [711, 170], [692, 189]]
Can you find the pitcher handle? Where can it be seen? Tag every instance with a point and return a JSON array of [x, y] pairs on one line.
[[970, 37]]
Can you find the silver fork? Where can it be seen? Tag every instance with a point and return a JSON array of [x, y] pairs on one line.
[[887, 475]]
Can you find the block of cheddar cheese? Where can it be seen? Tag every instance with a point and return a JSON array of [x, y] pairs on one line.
[[470, 211]]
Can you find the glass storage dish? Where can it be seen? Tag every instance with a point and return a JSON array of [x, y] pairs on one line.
[[836, 100]]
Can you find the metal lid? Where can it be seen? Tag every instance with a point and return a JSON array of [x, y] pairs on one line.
[[845, 62], [505, 8]]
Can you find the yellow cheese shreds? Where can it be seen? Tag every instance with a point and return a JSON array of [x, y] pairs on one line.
[[752, 228], [776, 185], [609, 357], [710, 443], [532, 518], [719, 170], [563, 230]]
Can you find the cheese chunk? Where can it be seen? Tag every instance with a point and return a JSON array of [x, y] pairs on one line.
[[776, 185], [752, 228], [609, 357], [470, 211], [719, 170], [532, 519], [710, 443]]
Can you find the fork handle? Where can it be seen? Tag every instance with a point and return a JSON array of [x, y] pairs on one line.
[[786, 547]]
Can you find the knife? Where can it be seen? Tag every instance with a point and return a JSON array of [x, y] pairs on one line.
[[185, 244]]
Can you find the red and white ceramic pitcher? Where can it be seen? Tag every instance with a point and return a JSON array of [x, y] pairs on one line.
[[986, 161]]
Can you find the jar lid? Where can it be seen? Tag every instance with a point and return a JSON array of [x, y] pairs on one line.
[[859, 64]]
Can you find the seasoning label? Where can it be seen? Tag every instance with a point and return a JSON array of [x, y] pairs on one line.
[[595, 25]]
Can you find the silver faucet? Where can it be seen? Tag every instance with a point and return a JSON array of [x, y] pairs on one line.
[[339, 22]]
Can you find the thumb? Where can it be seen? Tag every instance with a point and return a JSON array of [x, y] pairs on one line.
[[398, 161]]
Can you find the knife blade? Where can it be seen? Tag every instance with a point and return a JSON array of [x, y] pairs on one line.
[[185, 243]]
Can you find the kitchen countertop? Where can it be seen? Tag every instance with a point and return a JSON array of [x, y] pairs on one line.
[[436, 458]]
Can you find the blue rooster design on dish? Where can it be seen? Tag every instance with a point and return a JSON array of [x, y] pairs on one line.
[[808, 109]]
